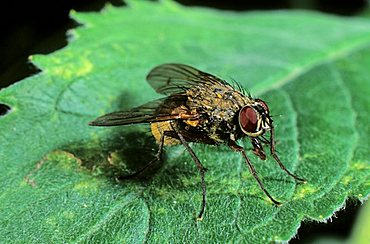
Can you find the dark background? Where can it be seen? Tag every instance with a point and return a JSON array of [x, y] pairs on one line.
[[38, 27]]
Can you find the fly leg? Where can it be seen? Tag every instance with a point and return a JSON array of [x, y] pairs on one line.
[[252, 170], [201, 169], [157, 158], [258, 148], [275, 156]]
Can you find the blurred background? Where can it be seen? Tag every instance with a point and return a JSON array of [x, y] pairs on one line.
[[41, 27]]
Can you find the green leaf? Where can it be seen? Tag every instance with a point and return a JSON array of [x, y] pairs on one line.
[[360, 230], [58, 174]]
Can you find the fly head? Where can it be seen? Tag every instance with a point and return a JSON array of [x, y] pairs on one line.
[[254, 118]]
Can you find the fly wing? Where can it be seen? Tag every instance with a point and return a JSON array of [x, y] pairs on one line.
[[154, 111], [171, 79]]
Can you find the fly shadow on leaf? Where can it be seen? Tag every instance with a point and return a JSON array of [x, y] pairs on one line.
[[120, 150], [118, 154]]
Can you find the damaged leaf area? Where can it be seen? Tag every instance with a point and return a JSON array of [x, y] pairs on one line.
[[58, 175]]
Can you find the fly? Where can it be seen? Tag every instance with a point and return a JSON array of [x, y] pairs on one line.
[[201, 108]]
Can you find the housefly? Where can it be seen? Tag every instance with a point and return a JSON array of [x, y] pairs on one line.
[[201, 108]]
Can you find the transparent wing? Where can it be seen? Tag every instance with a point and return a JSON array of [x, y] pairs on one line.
[[171, 79], [154, 111]]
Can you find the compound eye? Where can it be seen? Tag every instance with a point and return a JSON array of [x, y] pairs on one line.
[[248, 119]]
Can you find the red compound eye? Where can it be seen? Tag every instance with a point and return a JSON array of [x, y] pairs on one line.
[[248, 119]]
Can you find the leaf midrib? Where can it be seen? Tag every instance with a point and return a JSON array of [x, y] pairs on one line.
[[331, 56]]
